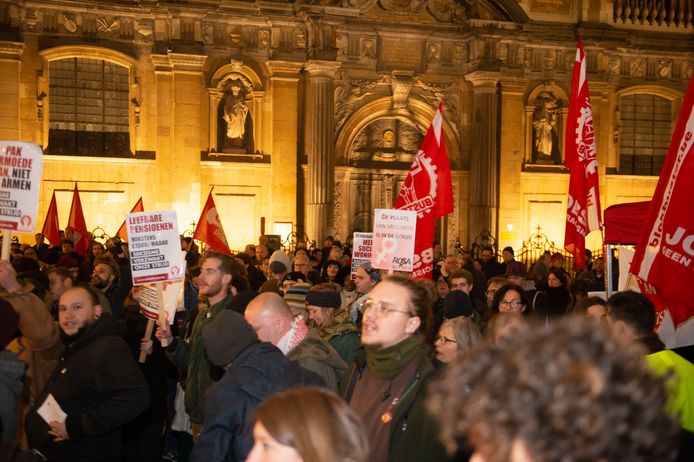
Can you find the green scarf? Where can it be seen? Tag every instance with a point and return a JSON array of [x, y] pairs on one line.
[[386, 363]]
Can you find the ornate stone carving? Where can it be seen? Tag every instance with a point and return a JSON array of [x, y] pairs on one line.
[[502, 54], [236, 36], [447, 11], [263, 38], [549, 59], [32, 19], [403, 6], [665, 68], [614, 65], [460, 53], [337, 208], [688, 70], [638, 67], [528, 59], [387, 190], [69, 22], [341, 42], [362, 5], [436, 93], [107, 25], [299, 38], [387, 139], [350, 93], [368, 48], [400, 84], [145, 27], [433, 52], [452, 228]]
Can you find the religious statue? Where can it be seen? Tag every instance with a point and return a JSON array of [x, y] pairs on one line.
[[546, 149], [234, 122]]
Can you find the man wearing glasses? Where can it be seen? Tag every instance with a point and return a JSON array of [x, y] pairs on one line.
[[386, 385]]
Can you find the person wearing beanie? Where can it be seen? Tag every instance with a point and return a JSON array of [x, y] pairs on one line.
[[323, 308], [295, 297], [279, 264], [253, 371], [291, 278], [275, 322]]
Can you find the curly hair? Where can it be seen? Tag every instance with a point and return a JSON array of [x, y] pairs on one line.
[[501, 291], [569, 393]]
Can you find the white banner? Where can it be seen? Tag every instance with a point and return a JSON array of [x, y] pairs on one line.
[[154, 246], [20, 179], [361, 250], [393, 239]]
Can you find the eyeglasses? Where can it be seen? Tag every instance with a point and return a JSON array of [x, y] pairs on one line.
[[443, 340], [490, 291], [511, 303], [381, 309]]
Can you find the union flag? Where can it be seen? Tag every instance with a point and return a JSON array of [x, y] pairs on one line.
[[209, 229], [77, 225]]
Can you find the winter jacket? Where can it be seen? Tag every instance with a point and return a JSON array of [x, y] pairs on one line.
[[316, 355], [413, 432], [190, 355], [100, 388], [11, 385], [257, 373]]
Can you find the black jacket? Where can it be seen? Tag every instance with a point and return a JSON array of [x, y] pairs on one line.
[[99, 386], [257, 373]]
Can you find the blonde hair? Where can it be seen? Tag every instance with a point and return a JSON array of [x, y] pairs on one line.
[[466, 333], [317, 423]]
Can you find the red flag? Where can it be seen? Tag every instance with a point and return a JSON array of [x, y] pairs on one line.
[[51, 229], [77, 225], [209, 228], [122, 231], [428, 191], [664, 257], [583, 210]]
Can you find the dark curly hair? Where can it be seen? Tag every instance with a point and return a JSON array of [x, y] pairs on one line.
[[569, 392], [501, 291]]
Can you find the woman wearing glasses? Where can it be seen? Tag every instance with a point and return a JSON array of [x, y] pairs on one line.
[[509, 298], [456, 336]]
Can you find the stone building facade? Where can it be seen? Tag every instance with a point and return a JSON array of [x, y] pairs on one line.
[[305, 116]]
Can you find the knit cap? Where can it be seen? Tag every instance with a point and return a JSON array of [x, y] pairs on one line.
[[227, 337], [279, 262], [295, 296]]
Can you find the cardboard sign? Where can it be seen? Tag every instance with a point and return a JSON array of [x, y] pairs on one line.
[[361, 252], [393, 239], [154, 246], [148, 299], [20, 180]]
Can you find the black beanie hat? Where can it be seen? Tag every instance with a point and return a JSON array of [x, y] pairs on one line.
[[324, 299], [227, 337], [457, 303]]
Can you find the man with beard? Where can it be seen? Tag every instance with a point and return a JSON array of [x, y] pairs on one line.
[[96, 384], [105, 279], [217, 271], [387, 384]]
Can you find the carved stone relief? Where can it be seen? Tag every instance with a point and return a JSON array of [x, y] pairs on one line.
[[107, 25], [638, 67], [403, 6], [544, 127], [337, 209], [665, 68], [387, 139], [400, 84], [614, 65], [349, 94], [436, 93], [32, 19], [69, 22], [368, 48], [447, 11]]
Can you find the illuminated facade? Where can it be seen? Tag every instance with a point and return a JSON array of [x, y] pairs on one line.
[[308, 115]]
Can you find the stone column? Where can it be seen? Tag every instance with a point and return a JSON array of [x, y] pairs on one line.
[[284, 93], [319, 143], [484, 161]]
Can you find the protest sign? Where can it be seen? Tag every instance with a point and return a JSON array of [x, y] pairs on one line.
[[361, 252], [393, 239], [155, 247], [148, 298], [20, 180]]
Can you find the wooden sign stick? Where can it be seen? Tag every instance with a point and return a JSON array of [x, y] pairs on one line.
[[148, 335], [6, 243], [162, 309]]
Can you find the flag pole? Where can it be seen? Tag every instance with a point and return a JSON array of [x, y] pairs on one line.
[[148, 335], [162, 309]]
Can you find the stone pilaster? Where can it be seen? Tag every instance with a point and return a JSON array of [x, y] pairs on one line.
[[10, 72], [284, 92], [179, 85], [484, 161], [319, 143]]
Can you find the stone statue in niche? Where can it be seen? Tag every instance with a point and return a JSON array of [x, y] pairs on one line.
[[546, 149], [234, 121]]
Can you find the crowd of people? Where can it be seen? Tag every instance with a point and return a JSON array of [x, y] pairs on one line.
[[297, 356]]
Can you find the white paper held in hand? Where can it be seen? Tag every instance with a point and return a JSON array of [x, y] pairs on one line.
[[50, 410]]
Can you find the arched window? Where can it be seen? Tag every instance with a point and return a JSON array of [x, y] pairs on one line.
[[645, 129], [88, 108]]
